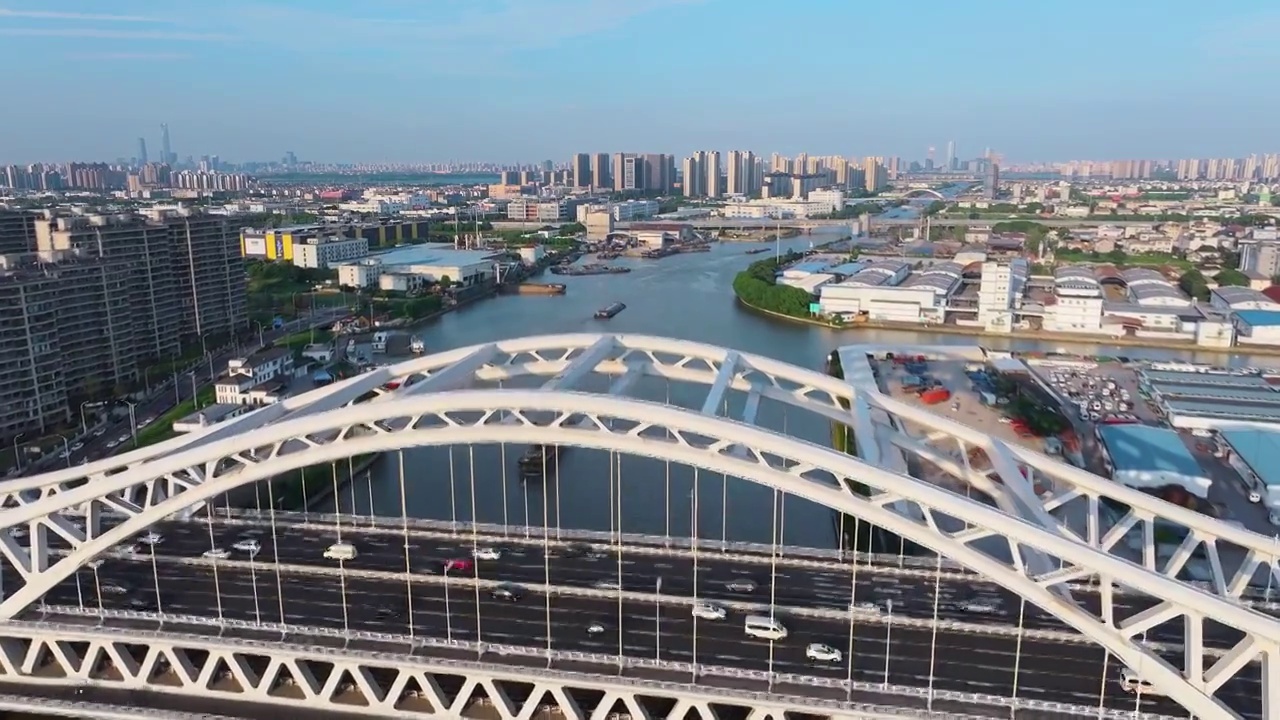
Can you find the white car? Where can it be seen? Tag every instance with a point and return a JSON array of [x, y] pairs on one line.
[[112, 444], [1255, 496], [94, 564], [608, 585], [77, 447], [341, 551], [216, 554], [818, 652], [249, 545], [487, 553], [709, 611], [980, 606], [151, 538], [864, 608], [113, 589]]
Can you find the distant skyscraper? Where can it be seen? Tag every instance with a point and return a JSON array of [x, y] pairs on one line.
[[737, 173], [693, 181], [951, 154], [166, 153], [655, 172], [601, 177], [580, 170], [991, 182], [713, 174], [877, 177], [142, 151]]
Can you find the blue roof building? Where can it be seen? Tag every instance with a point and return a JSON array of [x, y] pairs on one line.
[[1142, 456]]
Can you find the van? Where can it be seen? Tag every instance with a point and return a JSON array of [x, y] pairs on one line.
[[763, 626], [1131, 683], [343, 551]]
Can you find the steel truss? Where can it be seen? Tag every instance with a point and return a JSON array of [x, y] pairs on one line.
[[428, 407], [395, 685]]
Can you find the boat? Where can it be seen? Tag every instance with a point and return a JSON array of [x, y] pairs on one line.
[[416, 346], [380, 341], [537, 460], [606, 313], [757, 251]]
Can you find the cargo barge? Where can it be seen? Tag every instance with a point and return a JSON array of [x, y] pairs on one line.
[[591, 269], [757, 251], [607, 313], [539, 460]]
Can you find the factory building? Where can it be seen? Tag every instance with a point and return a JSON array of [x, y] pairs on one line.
[[411, 268], [1191, 400], [887, 291], [1147, 457]]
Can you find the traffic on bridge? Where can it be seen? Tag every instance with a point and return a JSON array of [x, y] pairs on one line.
[[135, 573]]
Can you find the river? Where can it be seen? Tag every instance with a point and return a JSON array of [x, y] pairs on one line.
[[684, 296]]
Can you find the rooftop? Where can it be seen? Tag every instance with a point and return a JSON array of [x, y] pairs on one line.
[[1259, 318], [1232, 295], [427, 255], [1143, 447], [1260, 450]]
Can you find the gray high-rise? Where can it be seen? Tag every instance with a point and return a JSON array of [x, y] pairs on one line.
[[580, 170]]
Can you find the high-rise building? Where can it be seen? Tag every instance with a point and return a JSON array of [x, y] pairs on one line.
[[740, 173], [712, 167], [952, 161], [694, 176], [656, 172], [166, 152], [877, 177], [991, 181], [142, 151], [580, 166], [628, 172], [601, 177]]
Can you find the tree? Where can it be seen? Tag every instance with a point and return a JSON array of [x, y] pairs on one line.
[[1232, 277], [1194, 284], [445, 282]]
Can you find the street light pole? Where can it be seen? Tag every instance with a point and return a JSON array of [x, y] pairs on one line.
[[84, 424], [657, 620], [66, 449], [133, 423], [17, 456]]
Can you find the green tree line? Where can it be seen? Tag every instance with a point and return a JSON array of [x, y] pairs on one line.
[[757, 286]]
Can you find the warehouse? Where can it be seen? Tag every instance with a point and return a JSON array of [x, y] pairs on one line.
[[1257, 327], [1241, 298], [410, 268], [878, 292], [1255, 454], [1146, 457], [1192, 400]]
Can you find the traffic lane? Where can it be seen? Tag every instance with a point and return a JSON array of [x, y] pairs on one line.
[[910, 596], [963, 662], [646, 630]]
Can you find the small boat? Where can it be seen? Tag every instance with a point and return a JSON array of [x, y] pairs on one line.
[[380, 342], [416, 346], [608, 312], [537, 460]]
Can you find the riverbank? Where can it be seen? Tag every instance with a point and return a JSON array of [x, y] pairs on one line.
[[1037, 335]]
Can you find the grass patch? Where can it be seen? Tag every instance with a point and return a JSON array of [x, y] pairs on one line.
[[162, 428]]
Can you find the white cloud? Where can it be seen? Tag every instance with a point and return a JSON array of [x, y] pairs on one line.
[[111, 34], [84, 17]]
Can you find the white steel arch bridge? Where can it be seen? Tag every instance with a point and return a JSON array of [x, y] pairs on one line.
[[1029, 543]]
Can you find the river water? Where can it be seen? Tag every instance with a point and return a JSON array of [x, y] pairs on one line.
[[685, 296]]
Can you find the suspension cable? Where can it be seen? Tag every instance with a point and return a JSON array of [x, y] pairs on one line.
[[773, 581], [1017, 655], [306, 505], [933, 640], [368, 483], [408, 569], [546, 547], [475, 545], [693, 545], [253, 561], [853, 608], [502, 450], [453, 497], [667, 503], [217, 584], [351, 487], [275, 551], [616, 521], [342, 570]]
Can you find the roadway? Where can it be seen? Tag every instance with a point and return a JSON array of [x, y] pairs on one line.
[[965, 598], [875, 653], [117, 435], [766, 224]]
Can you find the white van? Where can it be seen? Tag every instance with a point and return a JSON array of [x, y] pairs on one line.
[[343, 551], [1131, 683], [763, 626]]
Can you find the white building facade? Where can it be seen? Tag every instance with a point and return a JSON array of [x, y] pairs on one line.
[[325, 252]]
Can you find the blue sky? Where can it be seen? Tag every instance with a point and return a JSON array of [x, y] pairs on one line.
[[523, 80]]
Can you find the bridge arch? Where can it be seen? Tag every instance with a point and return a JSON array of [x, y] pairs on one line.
[[924, 192], [666, 433]]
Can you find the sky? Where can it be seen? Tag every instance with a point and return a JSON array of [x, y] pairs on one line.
[[526, 80]]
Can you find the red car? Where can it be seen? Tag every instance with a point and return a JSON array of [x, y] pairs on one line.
[[460, 565]]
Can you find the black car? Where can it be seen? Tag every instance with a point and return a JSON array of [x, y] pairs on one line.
[[510, 593]]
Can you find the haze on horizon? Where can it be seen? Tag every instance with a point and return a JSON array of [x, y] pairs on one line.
[[524, 80]]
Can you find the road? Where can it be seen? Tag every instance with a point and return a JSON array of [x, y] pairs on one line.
[[964, 599], [876, 221], [965, 661], [96, 446]]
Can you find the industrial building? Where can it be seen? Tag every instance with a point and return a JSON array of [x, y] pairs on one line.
[[1257, 327], [541, 210], [1148, 287], [1194, 400], [279, 243], [887, 290], [1147, 457], [324, 252], [411, 268], [1255, 454], [1231, 298], [89, 300]]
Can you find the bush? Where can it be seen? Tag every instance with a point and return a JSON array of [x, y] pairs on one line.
[[757, 287]]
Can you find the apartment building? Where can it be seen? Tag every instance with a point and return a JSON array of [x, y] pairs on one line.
[[17, 232], [255, 380], [95, 298], [325, 252]]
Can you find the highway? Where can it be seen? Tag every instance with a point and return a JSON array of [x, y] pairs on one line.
[[964, 599], [964, 661], [767, 224]]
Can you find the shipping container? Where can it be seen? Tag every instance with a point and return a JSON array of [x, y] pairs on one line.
[[935, 396]]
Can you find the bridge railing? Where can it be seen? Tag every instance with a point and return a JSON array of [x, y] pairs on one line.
[[610, 661]]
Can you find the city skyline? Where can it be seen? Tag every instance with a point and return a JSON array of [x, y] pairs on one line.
[[204, 69]]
